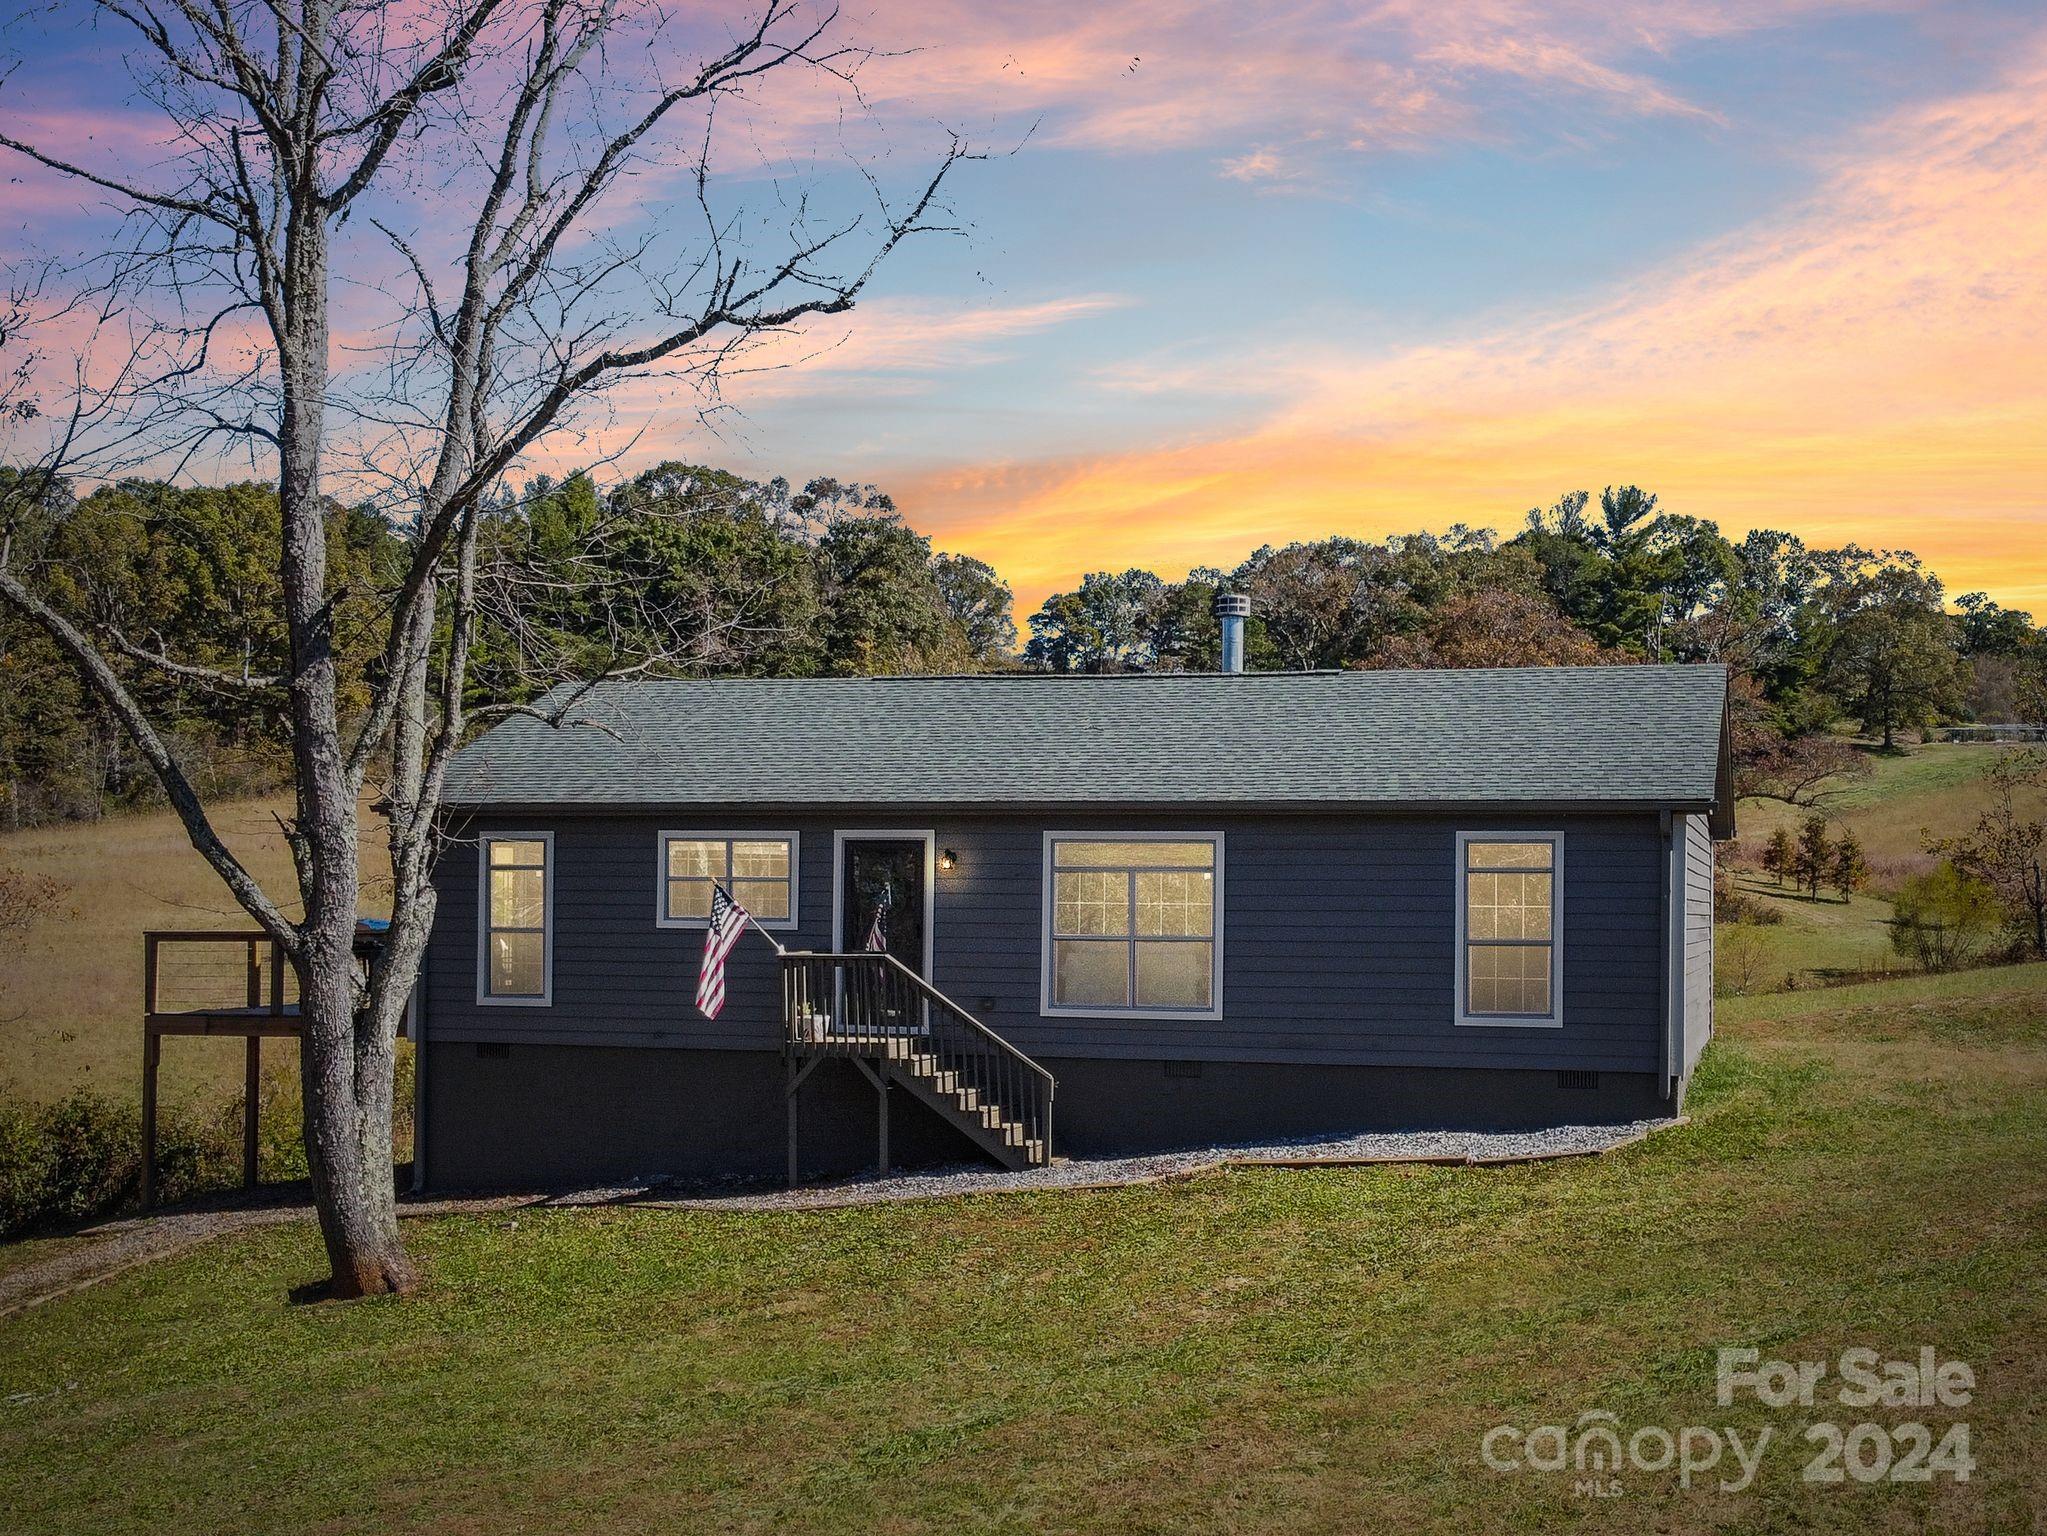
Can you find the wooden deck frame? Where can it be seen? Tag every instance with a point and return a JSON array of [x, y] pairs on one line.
[[263, 1014]]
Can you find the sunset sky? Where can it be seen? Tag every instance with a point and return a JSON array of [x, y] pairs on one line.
[[1260, 273]]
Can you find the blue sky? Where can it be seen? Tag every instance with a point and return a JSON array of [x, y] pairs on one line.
[[1261, 273]]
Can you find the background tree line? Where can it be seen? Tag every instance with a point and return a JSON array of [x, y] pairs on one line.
[[741, 578], [1811, 635], [760, 578]]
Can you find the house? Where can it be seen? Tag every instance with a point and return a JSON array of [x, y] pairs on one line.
[[1083, 915]]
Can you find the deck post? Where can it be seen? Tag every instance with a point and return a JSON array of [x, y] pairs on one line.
[[789, 1101], [881, 1094], [152, 1052], [252, 1082]]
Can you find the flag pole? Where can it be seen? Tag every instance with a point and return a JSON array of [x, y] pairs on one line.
[[751, 919]]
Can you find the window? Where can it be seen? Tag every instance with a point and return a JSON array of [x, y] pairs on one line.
[[1133, 924], [516, 920], [1509, 940], [758, 868]]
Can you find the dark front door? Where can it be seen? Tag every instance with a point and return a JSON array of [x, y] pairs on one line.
[[881, 896]]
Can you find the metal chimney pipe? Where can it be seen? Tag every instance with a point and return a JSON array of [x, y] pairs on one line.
[[1231, 609]]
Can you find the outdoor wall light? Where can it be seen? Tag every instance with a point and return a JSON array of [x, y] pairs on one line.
[[948, 860]]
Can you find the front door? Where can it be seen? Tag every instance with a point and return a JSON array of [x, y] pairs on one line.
[[881, 897]]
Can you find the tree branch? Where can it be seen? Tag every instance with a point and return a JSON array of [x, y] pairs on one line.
[[184, 799]]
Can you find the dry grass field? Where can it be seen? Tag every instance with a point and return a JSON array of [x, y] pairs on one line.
[[1932, 790], [1935, 790], [71, 987]]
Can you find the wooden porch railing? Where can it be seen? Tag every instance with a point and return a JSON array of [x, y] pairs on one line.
[[869, 1005], [210, 981], [195, 973]]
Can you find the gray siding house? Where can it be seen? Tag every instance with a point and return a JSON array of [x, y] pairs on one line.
[[1021, 916]]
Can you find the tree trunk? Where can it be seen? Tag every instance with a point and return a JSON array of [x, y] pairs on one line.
[[345, 1059], [345, 1070]]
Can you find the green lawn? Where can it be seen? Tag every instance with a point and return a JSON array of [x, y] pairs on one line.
[[1821, 939], [1268, 1350]]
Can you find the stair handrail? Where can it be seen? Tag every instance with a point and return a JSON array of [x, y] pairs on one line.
[[1034, 1110]]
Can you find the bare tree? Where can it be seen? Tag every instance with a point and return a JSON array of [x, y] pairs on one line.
[[498, 288]]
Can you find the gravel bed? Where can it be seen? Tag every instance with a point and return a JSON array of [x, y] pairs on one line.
[[1070, 1173]]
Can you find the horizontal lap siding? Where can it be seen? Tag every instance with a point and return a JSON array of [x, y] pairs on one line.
[[1698, 939], [1338, 944]]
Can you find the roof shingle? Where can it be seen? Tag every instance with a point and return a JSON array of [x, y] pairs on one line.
[[1595, 736]]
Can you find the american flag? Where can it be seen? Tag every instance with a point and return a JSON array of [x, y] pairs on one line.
[[877, 931], [728, 922]]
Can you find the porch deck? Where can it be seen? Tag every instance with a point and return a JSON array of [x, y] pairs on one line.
[[208, 981]]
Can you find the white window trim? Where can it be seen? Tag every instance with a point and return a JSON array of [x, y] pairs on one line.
[[1050, 1010], [1554, 1019], [712, 835], [484, 996]]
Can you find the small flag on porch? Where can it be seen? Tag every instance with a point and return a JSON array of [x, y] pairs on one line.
[[877, 931], [728, 922]]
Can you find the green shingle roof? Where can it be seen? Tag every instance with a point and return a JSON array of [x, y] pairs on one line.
[[1633, 736]]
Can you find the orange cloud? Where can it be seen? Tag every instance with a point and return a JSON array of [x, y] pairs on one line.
[[1872, 366]]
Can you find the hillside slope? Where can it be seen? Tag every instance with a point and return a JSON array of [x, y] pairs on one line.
[[1935, 790]]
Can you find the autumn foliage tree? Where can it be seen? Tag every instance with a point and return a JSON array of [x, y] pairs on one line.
[[1812, 857], [1780, 855], [1493, 627]]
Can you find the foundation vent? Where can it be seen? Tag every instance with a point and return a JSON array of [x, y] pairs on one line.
[[1577, 1079], [494, 1050]]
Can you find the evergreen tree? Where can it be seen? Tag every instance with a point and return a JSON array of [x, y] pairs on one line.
[[1847, 869], [1780, 855], [1814, 857]]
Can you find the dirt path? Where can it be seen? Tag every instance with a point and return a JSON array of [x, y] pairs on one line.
[[111, 1248]]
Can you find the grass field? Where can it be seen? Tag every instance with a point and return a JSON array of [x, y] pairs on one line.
[[1933, 789], [1820, 939], [1256, 1351], [71, 988]]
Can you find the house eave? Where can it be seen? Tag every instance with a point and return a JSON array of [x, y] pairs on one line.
[[1708, 805]]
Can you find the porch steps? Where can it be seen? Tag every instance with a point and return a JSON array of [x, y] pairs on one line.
[[869, 1006], [984, 1123]]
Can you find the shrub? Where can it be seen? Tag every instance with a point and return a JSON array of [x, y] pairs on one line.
[[1742, 958], [1731, 904], [24, 898], [81, 1157], [1945, 919]]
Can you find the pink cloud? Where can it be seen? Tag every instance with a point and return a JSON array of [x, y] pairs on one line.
[[1323, 76], [1868, 366]]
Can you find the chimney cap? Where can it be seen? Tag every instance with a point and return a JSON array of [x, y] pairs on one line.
[[1232, 605]]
